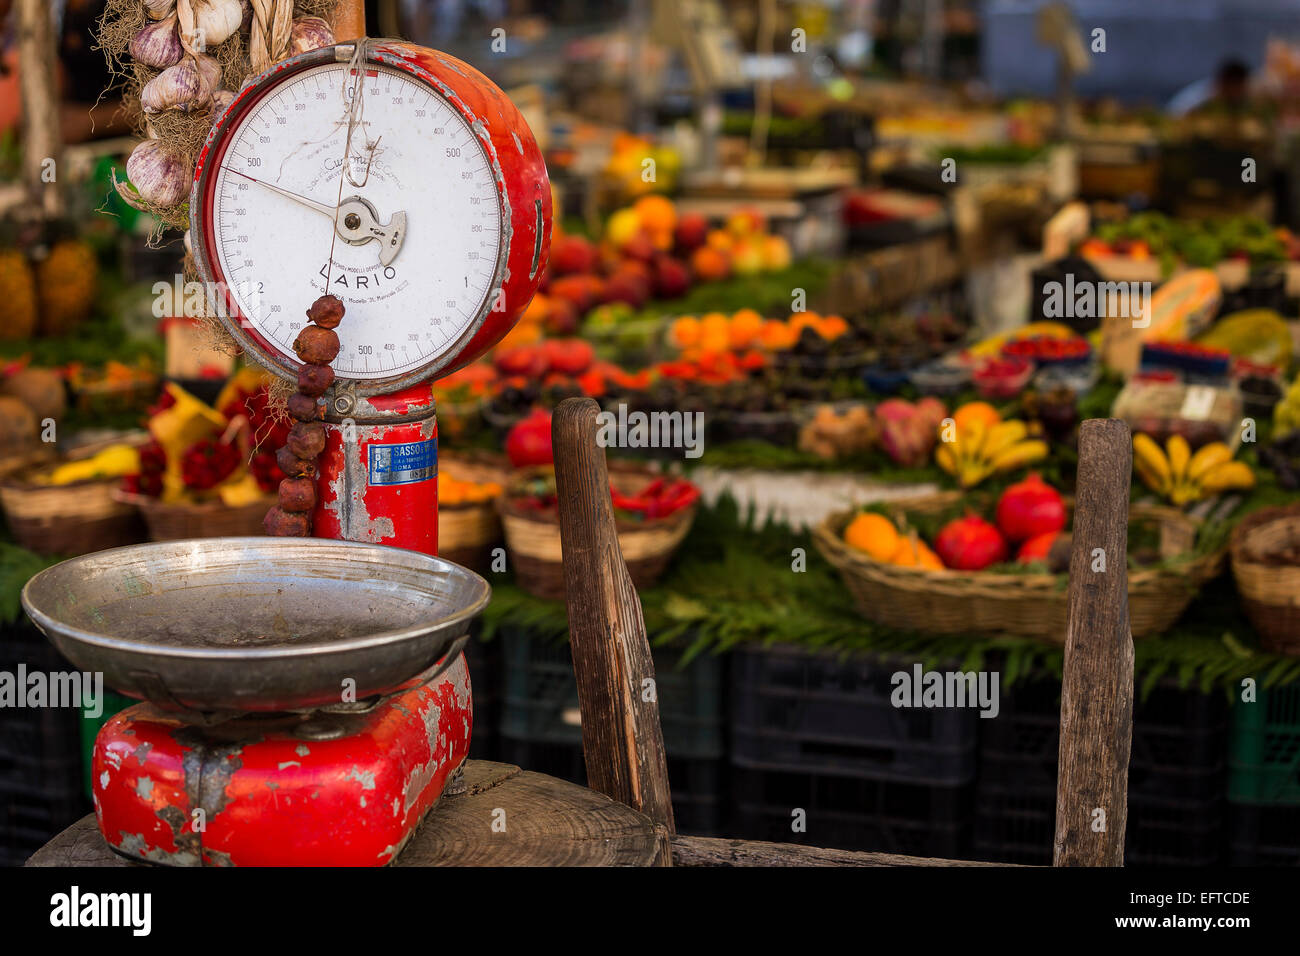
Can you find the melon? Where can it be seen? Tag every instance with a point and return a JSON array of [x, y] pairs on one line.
[[40, 389], [18, 426], [1183, 306]]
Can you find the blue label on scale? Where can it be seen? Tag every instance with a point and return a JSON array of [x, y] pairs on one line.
[[403, 464]]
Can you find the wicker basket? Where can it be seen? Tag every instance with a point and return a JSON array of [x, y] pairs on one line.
[[1030, 605], [70, 519], [173, 521], [467, 532], [1270, 593], [533, 541]]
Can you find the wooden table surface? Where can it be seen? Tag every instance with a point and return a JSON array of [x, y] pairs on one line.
[[548, 822]]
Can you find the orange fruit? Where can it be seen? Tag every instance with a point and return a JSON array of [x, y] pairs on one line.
[[720, 240], [832, 327], [709, 265], [915, 554], [973, 414], [685, 332], [928, 559], [802, 320], [776, 335], [905, 554], [874, 534], [745, 328], [536, 310], [657, 213]]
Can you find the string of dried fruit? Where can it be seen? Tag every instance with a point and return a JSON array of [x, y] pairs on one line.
[[317, 345]]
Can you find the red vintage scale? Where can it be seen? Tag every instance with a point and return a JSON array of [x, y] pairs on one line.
[[306, 700]]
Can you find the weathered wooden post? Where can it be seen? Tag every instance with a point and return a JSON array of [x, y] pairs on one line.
[[38, 79], [1097, 691], [621, 737]]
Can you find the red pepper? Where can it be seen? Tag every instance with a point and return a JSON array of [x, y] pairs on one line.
[[626, 502]]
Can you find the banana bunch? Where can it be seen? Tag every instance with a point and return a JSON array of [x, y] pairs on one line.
[[1182, 477], [979, 452]]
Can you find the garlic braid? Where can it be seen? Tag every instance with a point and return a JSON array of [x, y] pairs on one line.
[[270, 32]]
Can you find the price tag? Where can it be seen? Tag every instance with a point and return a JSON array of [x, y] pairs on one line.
[[1198, 403]]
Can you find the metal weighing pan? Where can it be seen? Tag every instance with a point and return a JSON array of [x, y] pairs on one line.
[[256, 624]]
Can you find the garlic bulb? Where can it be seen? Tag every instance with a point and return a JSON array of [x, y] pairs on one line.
[[309, 33], [158, 44], [188, 85], [220, 100], [208, 23], [158, 175], [159, 9]]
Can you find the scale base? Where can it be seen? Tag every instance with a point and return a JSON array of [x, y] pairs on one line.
[[320, 789]]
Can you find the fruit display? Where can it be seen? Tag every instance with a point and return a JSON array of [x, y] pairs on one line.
[[1191, 359], [1260, 336], [115, 461], [1286, 414], [66, 281], [211, 453], [454, 491], [994, 344], [529, 441], [1030, 509], [534, 493], [983, 445], [1182, 307], [878, 537], [1002, 377], [1161, 408], [970, 544], [835, 432], [1181, 476], [908, 431], [42, 390], [1201, 243], [18, 293], [1049, 350]]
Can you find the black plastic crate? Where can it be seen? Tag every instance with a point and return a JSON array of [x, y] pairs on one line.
[[1174, 832], [698, 785], [822, 713], [1263, 835], [1014, 825], [540, 703], [1018, 826], [852, 813], [1179, 742], [31, 817], [40, 747]]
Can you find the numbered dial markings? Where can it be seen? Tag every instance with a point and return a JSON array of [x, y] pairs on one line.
[[414, 287]]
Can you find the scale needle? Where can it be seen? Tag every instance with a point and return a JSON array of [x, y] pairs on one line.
[[320, 207], [355, 220]]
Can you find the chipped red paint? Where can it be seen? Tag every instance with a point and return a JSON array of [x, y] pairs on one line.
[[271, 798], [351, 507]]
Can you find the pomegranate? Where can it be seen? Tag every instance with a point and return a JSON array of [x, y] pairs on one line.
[[569, 357], [1037, 548], [529, 441], [970, 544], [1030, 508]]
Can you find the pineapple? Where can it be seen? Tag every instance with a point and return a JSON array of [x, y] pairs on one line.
[[66, 283], [17, 297]]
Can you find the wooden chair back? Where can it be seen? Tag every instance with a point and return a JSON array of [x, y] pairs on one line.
[[621, 736]]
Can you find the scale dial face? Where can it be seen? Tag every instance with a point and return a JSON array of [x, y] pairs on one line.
[[412, 241]]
